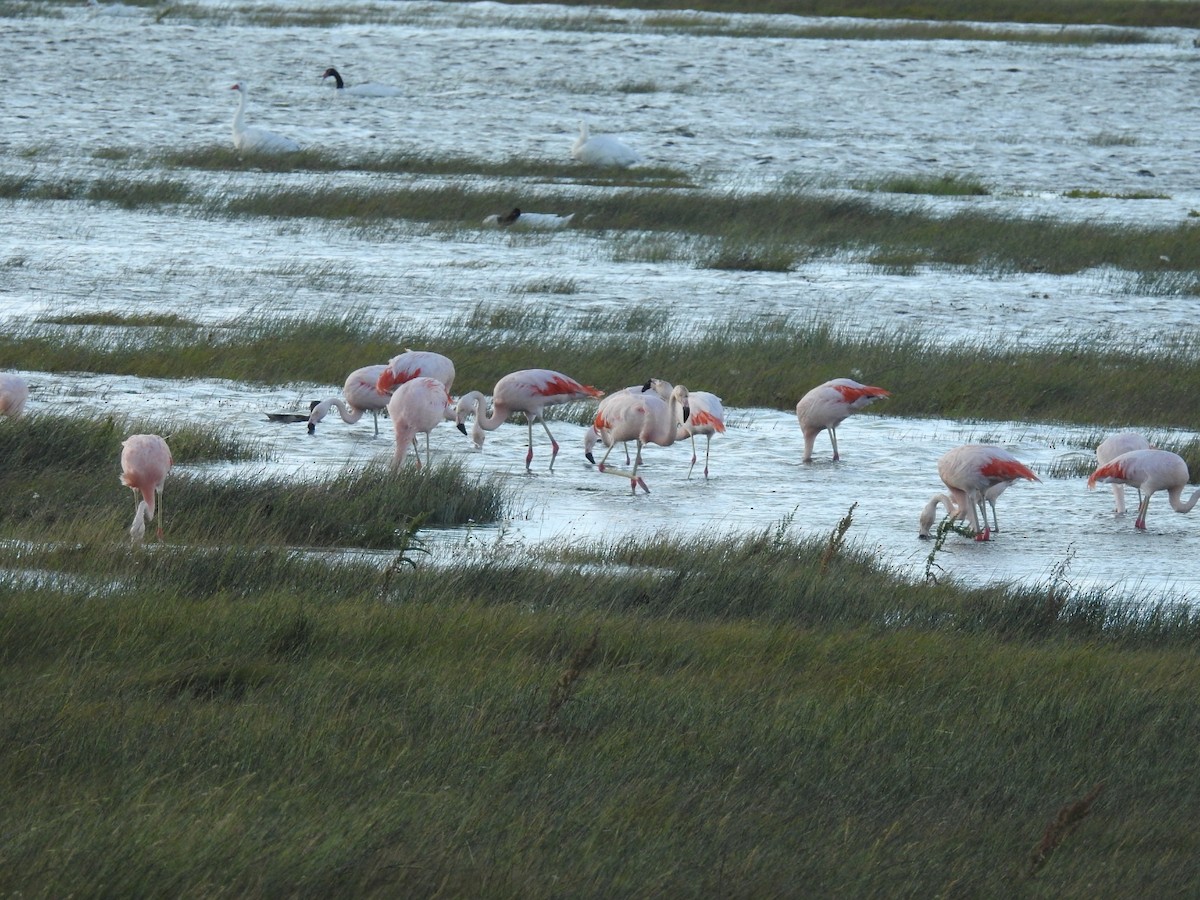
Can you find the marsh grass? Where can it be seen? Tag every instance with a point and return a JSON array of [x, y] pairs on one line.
[[254, 720], [761, 361], [947, 185]]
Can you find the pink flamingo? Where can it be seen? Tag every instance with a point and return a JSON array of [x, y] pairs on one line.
[[413, 363], [1112, 447], [528, 391], [418, 405], [707, 418], [645, 418], [13, 394], [1149, 470], [145, 462], [970, 472], [827, 405], [361, 397], [660, 387], [957, 513]]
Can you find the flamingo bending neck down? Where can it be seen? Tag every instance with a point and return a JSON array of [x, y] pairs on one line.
[[1150, 471], [412, 364], [527, 391], [13, 394], [827, 405], [1112, 447], [957, 513], [602, 150], [419, 405], [361, 397], [644, 417], [251, 139], [145, 462], [970, 472]]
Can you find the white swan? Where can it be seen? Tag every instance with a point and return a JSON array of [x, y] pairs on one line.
[[249, 139], [602, 150], [518, 219], [361, 90]]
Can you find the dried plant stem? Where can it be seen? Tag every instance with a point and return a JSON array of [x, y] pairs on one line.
[[1064, 823]]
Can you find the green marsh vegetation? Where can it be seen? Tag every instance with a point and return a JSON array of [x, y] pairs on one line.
[[683, 718]]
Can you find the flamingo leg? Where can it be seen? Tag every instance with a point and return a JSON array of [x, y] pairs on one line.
[[693, 465], [553, 442], [375, 416], [833, 439], [707, 447], [1140, 524], [634, 479]]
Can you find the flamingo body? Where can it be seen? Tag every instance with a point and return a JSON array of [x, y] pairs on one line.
[[519, 219], [251, 139], [13, 394], [707, 417], [1112, 447], [527, 391], [970, 471], [1150, 471], [660, 387], [413, 364], [417, 406], [644, 417], [361, 396], [145, 462], [827, 405], [368, 89], [603, 150]]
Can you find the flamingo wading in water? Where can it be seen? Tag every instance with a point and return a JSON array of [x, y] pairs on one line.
[[419, 405], [361, 397], [827, 405], [13, 394], [707, 417], [1112, 447], [645, 418], [1150, 471], [970, 471], [251, 139], [145, 462], [527, 391]]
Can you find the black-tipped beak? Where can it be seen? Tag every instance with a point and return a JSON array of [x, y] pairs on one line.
[[312, 427], [687, 411], [461, 427], [590, 458]]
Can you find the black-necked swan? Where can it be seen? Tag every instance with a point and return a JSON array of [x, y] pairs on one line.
[[249, 139], [518, 219], [602, 150], [369, 89]]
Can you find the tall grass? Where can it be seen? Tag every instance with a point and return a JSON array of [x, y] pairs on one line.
[[734, 720]]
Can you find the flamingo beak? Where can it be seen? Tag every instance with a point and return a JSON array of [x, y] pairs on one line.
[[461, 427]]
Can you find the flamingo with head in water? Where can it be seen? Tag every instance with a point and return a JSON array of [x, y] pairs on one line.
[[970, 472], [527, 391], [252, 139], [413, 364], [826, 406], [361, 396], [145, 462], [643, 417], [1150, 471], [417, 406]]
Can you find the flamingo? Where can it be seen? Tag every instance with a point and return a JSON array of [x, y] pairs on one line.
[[249, 139], [1112, 447], [515, 218], [1150, 471], [412, 363], [827, 405], [361, 397], [644, 417], [528, 391], [970, 471], [145, 462], [602, 150], [660, 387], [418, 405], [361, 90], [13, 394], [957, 513], [707, 418]]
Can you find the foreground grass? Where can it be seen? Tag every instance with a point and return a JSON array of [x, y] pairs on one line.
[[740, 718], [762, 362]]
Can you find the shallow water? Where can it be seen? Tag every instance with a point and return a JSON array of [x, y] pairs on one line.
[[742, 114]]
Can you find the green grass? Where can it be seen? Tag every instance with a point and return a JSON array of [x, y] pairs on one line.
[[742, 717], [933, 185]]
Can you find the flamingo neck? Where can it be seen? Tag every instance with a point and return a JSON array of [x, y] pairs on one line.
[[483, 419], [930, 512], [1179, 504]]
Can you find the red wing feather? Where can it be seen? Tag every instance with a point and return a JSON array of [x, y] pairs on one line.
[[1007, 470], [703, 418], [854, 394]]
